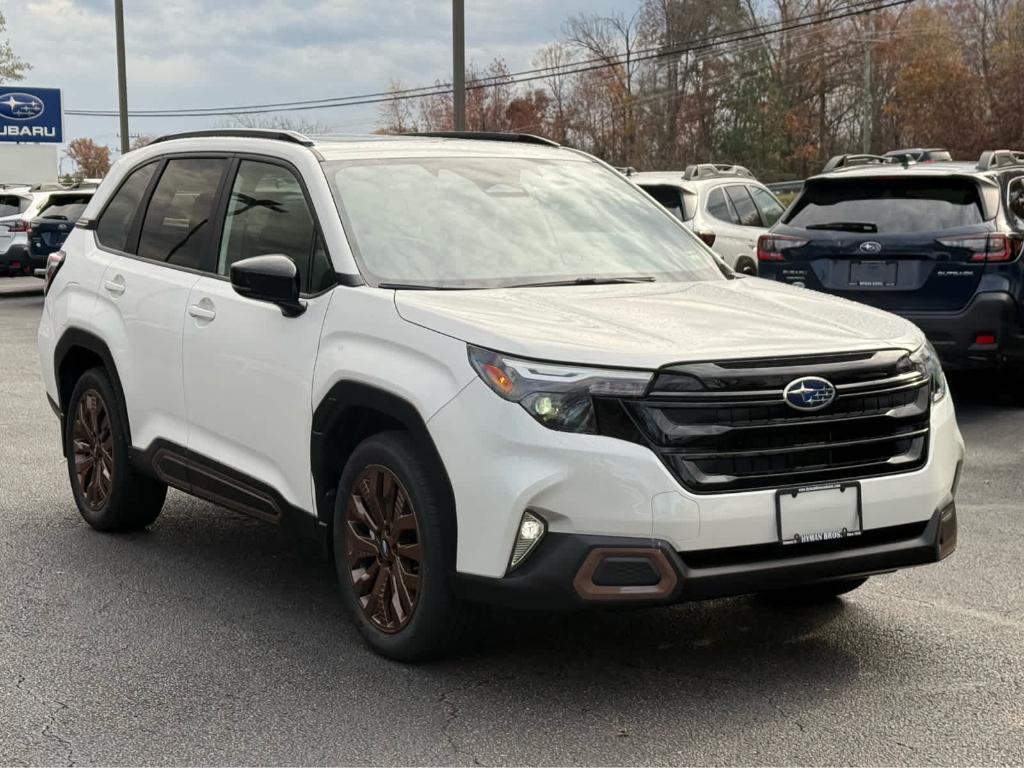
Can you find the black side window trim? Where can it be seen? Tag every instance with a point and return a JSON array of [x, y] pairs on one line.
[[220, 208]]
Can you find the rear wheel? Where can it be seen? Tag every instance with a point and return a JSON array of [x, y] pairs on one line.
[[814, 593], [746, 267], [391, 552], [109, 494]]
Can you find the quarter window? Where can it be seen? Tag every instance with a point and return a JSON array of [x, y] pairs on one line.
[[745, 208], [720, 208], [178, 221], [268, 213], [113, 226], [771, 210]]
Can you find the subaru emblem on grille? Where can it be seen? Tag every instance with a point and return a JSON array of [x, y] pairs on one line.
[[810, 393]]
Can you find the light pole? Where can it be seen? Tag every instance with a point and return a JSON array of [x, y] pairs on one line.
[[122, 81], [458, 63]]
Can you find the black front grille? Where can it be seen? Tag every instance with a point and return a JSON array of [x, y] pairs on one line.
[[726, 427]]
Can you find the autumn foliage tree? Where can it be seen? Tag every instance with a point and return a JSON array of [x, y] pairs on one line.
[[92, 159], [686, 81]]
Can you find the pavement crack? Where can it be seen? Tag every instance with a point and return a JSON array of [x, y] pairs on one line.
[[54, 708], [50, 732]]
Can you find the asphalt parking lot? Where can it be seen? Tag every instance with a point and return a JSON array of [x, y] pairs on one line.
[[213, 639]]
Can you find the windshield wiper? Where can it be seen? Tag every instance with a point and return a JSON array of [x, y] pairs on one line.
[[586, 281], [420, 287], [846, 226]]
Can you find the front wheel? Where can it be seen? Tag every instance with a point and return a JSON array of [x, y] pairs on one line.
[[392, 549], [814, 593]]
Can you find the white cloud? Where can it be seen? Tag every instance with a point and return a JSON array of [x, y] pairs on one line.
[[190, 53]]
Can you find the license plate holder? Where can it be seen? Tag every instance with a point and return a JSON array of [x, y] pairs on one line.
[[814, 513], [873, 274]]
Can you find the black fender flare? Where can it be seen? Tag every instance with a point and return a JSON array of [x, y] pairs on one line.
[[76, 338], [327, 458]]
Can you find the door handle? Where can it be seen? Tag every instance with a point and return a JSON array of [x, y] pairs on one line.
[[115, 286], [201, 313]]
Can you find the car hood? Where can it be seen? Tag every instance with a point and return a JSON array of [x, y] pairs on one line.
[[648, 325]]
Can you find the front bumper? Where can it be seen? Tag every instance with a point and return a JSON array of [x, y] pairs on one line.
[[565, 571], [953, 334], [501, 462]]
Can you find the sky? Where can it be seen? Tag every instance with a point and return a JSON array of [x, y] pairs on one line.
[[191, 53]]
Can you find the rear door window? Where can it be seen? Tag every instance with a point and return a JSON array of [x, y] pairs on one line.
[[12, 205], [890, 205], [720, 208], [744, 205], [179, 219], [117, 218], [770, 208]]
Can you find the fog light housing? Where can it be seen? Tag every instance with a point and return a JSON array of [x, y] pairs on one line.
[[531, 530]]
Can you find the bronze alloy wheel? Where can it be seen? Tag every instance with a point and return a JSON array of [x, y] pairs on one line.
[[93, 443], [382, 548]]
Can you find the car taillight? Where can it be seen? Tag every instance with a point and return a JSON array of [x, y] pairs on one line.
[[773, 247], [984, 247], [707, 237], [53, 264], [18, 226]]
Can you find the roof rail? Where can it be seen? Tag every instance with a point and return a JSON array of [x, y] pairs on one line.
[[240, 133], [1000, 158], [845, 161], [628, 170], [522, 138], [711, 170]]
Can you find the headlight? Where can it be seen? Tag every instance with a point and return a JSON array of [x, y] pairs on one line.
[[558, 396], [927, 362]]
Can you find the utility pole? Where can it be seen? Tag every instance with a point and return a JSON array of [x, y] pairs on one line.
[[868, 95], [122, 79], [458, 63]]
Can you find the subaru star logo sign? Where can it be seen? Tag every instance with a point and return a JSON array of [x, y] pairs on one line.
[[810, 393], [31, 115], [21, 106], [870, 246]]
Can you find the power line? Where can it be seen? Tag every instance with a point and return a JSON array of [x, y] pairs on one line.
[[587, 65]]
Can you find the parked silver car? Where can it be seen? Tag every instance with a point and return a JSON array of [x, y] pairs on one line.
[[723, 204]]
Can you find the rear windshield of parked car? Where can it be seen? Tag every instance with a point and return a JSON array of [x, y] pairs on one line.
[[891, 205], [462, 222], [67, 207]]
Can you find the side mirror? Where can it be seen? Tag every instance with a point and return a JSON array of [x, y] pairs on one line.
[[273, 278]]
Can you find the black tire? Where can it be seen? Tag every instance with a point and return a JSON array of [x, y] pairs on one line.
[[814, 593], [746, 267], [110, 495], [436, 624]]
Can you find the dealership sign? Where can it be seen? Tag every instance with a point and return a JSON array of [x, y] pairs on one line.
[[31, 115]]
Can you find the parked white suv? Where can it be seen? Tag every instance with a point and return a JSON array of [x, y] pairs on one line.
[[482, 371], [723, 204], [19, 205]]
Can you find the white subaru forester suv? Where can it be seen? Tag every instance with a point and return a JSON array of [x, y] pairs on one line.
[[482, 370]]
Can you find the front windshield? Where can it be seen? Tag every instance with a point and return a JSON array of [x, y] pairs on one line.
[[459, 222]]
